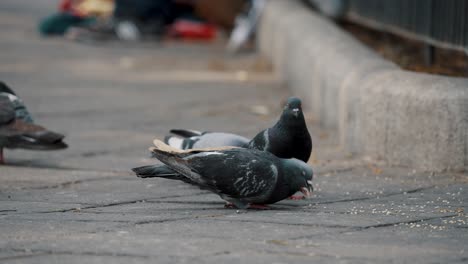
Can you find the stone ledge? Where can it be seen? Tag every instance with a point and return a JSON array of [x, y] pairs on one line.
[[406, 118]]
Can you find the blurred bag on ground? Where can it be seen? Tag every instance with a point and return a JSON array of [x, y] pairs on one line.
[[220, 12], [101, 8], [144, 11], [137, 18]]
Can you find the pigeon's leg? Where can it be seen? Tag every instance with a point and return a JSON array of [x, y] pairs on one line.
[[235, 204], [1, 156], [259, 207], [229, 205], [296, 197]]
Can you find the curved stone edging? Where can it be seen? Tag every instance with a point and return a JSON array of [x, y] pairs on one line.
[[406, 118]]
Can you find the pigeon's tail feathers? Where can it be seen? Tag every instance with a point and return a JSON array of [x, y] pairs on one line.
[[175, 161], [45, 139], [186, 133], [46, 136], [5, 89], [174, 141], [152, 171], [174, 158], [30, 136]]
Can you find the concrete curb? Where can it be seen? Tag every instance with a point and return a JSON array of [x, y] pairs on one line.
[[406, 118]]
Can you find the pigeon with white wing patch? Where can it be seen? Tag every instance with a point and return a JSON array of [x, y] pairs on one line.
[[288, 138]]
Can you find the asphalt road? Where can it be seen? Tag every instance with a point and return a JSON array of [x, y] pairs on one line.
[[83, 205]]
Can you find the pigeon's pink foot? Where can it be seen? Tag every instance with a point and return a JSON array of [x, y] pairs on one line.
[[296, 197], [230, 206], [259, 207]]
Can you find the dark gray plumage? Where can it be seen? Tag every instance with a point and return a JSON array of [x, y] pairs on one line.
[[17, 129], [240, 176], [288, 138]]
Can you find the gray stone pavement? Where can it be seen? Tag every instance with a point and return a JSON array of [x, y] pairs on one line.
[[83, 205]]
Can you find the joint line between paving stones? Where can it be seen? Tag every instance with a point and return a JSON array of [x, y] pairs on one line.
[[53, 167], [362, 228], [196, 217], [315, 255], [406, 222], [120, 203], [70, 183], [34, 253], [278, 223], [376, 197]]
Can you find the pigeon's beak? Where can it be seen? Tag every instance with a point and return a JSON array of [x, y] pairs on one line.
[[296, 112], [307, 191]]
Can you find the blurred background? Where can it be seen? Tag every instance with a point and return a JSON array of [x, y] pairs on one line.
[[422, 36], [70, 58]]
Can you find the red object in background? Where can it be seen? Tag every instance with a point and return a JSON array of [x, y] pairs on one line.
[[66, 6], [193, 30]]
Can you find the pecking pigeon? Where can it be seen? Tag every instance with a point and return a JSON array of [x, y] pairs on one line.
[[243, 177], [17, 129], [288, 138]]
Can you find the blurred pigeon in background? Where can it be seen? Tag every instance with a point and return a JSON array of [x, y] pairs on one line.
[[288, 138], [17, 129], [243, 177]]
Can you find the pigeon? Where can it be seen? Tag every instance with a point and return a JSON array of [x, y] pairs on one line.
[[243, 177], [17, 128], [288, 138]]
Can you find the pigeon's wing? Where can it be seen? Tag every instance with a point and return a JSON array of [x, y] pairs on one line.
[[7, 111], [183, 138], [230, 171], [261, 141], [188, 139], [186, 132], [158, 144], [20, 134], [236, 173]]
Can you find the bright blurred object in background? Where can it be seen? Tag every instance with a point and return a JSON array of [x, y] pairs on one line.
[[137, 20]]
